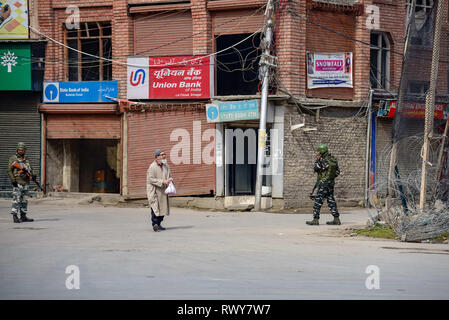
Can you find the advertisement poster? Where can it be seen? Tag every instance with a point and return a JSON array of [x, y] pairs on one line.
[[329, 70], [13, 19], [387, 109], [171, 77]]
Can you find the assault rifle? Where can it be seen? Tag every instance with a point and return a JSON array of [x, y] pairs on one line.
[[312, 196], [22, 170]]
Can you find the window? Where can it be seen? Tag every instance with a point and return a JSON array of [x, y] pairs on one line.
[[380, 61], [422, 9], [238, 68], [94, 38], [422, 30]]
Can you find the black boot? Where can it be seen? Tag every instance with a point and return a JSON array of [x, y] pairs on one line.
[[336, 221], [16, 218], [23, 218], [314, 222]]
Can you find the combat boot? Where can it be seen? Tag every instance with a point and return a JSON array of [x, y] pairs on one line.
[[16, 218], [314, 222], [23, 218], [336, 221]]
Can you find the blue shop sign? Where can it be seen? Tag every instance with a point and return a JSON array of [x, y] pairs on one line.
[[233, 111], [78, 92]]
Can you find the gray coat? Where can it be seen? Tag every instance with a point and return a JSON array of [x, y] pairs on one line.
[[157, 199]]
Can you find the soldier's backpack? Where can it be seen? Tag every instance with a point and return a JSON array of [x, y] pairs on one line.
[[334, 170]]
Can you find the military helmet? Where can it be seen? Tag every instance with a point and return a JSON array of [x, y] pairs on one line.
[[322, 148], [21, 145]]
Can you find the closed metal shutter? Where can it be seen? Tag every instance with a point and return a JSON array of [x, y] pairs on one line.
[[237, 22], [19, 121], [152, 130], [164, 34], [81, 126]]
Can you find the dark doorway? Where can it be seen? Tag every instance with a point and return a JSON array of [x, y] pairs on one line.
[[241, 168], [238, 67], [99, 164]]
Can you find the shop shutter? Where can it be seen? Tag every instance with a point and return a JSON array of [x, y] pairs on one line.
[[237, 22], [164, 34], [81, 126], [150, 131], [19, 121]]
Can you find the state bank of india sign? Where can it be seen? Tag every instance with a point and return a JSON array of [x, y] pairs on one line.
[[170, 77]]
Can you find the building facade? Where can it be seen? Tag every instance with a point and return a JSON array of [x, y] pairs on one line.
[[212, 156]]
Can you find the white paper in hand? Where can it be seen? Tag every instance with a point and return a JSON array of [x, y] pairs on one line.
[[170, 189]]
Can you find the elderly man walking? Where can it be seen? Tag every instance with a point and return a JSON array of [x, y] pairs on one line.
[[158, 179]]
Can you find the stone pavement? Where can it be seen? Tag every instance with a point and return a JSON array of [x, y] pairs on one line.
[[206, 255]]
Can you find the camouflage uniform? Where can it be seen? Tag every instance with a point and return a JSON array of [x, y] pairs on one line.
[[20, 184], [325, 183]]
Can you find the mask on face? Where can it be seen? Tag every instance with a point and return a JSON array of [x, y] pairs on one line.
[[164, 161]]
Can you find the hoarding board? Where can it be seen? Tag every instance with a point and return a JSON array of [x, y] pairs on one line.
[[171, 77], [329, 70], [79, 92]]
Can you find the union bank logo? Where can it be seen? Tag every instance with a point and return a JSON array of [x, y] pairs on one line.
[[137, 77]]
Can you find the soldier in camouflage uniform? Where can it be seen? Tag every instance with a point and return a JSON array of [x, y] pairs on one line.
[[20, 183], [326, 167]]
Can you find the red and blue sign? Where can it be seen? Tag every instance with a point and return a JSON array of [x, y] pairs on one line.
[[170, 77]]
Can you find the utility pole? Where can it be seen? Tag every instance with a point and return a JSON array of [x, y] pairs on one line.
[[367, 154], [402, 90], [266, 64], [430, 102]]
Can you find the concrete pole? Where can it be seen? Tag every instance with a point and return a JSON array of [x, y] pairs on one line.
[[265, 66], [430, 102]]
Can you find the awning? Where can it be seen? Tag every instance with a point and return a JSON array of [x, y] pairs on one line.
[[88, 108]]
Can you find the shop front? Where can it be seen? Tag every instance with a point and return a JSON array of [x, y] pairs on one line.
[[20, 86], [237, 124], [81, 141]]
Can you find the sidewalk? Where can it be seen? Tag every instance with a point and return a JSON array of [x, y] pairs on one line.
[[206, 255]]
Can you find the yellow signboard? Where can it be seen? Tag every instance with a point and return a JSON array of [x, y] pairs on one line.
[[14, 19]]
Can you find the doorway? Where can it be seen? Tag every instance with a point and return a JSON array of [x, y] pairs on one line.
[[241, 160], [83, 165]]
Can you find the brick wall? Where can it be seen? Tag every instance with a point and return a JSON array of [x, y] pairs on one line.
[[295, 38], [291, 51], [51, 22], [202, 25], [122, 43], [320, 40], [390, 12], [346, 140]]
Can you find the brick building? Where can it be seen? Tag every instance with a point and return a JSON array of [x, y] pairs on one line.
[[128, 129]]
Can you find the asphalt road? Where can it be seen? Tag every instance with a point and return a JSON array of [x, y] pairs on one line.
[[115, 254]]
